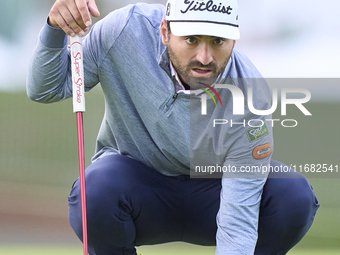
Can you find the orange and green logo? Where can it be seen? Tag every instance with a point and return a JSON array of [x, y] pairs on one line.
[[257, 132]]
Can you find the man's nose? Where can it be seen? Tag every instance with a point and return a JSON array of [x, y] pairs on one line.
[[204, 54]]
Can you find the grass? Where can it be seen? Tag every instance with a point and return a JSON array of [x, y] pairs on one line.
[[39, 250], [166, 249]]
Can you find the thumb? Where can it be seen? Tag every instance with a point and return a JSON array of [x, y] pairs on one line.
[[93, 8]]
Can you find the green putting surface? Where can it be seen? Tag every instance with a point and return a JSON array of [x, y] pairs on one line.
[[167, 249]]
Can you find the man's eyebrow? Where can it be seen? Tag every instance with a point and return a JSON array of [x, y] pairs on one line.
[[216, 37], [200, 36]]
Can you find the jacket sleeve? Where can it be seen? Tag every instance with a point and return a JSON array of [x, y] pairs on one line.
[[238, 216], [49, 75], [240, 198], [247, 165]]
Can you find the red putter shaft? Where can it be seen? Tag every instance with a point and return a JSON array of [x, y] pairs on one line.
[[82, 178], [78, 91]]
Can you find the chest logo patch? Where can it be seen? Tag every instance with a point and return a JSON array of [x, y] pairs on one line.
[[257, 132]]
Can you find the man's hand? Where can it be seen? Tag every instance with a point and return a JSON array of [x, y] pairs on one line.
[[73, 16]]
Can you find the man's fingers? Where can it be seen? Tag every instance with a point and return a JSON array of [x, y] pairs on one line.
[[56, 20], [93, 8], [85, 18], [73, 16], [77, 21], [65, 15]]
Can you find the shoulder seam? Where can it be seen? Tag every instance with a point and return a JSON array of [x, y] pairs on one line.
[[109, 48], [144, 16]]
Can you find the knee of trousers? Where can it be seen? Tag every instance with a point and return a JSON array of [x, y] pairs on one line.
[[294, 199], [108, 210]]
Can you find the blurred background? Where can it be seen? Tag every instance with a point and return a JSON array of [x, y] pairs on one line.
[[38, 147]]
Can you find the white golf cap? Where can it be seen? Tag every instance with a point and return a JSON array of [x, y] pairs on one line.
[[203, 17]]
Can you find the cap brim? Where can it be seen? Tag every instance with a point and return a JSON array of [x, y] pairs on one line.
[[183, 28]]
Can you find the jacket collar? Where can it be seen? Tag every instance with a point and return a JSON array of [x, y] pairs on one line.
[[164, 61]]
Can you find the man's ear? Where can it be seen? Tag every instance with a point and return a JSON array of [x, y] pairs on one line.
[[164, 32]]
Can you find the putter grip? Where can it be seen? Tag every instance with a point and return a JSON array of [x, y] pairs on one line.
[[78, 89]]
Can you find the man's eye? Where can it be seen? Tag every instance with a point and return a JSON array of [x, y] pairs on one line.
[[191, 40], [218, 41]]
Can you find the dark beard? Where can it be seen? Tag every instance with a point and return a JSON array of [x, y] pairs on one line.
[[183, 71]]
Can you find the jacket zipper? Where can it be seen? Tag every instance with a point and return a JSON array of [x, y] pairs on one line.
[[170, 103], [174, 97]]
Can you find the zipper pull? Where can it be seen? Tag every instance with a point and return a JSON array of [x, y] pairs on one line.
[[174, 97]]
